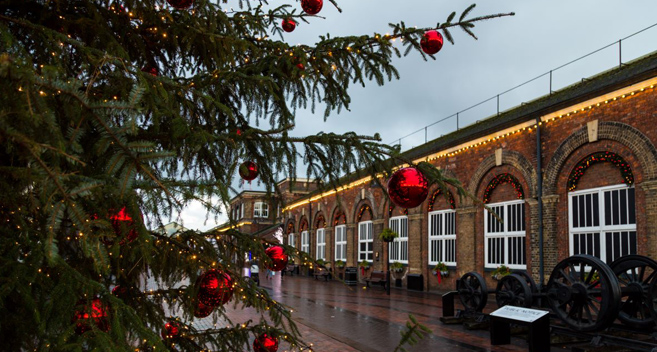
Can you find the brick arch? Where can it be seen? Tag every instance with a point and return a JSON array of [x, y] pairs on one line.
[[338, 217], [303, 224], [289, 227], [369, 199], [620, 132], [358, 207], [509, 157], [320, 220], [435, 194]]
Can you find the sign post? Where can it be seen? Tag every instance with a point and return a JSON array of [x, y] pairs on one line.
[[537, 320]]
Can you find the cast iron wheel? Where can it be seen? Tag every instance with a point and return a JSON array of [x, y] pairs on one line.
[[635, 275], [529, 280], [513, 290], [578, 299], [472, 291]]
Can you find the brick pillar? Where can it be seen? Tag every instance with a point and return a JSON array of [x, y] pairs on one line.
[[650, 216], [352, 244], [329, 234], [531, 233], [550, 233], [378, 245], [466, 254], [415, 243]]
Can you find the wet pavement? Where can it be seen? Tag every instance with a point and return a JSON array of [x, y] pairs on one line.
[[335, 317]]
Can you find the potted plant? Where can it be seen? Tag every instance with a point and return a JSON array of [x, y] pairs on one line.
[[388, 235], [321, 262], [442, 269], [396, 267], [500, 272], [340, 264], [364, 264]]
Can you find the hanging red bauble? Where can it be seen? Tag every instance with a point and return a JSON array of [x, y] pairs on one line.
[[278, 258], [301, 67], [408, 187], [120, 291], [122, 222], [248, 170], [181, 4], [265, 343], [84, 316], [171, 330], [312, 7], [150, 69], [202, 310], [288, 25], [215, 288], [431, 42]]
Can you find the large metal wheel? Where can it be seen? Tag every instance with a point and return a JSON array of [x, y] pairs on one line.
[[635, 274], [578, 298], [513, 290], [472, 291], [529, 280]]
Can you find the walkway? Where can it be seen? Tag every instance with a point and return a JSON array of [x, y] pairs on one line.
[[342, 318]]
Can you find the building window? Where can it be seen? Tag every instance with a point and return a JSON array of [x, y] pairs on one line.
[[238, 211], [341, 242], [602, 222], [291, 240], [505, 242], [320, 247], [365, 242], [442, 237], [260, 210], [399, 247], [305, 242]]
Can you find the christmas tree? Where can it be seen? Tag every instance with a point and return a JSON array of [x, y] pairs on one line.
[[118, 113]]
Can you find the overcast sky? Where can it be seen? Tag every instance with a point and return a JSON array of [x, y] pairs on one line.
[[542, 36]]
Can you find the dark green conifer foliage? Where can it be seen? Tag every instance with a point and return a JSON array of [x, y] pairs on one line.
[[87, 129]]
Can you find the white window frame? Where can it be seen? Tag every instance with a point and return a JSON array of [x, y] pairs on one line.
[[365, 237], [260, 210], [305, 241], [291, 240], [341, 242], [399, 247], [442, 237], [320, 244], [505, 232], [625, 235]]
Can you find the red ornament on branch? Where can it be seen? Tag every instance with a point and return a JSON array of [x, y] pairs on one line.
[[171, 330], [181, 4], [265, 343], [278, 258], [215, 288], [123, 224], [431, 42], [288, 25], [85, 315], [408, 187], [150, 69], [312, 7], [202, 310], [248, 170]]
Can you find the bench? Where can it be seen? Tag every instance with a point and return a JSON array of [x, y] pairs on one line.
[[376, 277], [321, 272]]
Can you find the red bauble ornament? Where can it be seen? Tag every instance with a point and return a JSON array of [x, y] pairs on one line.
[[408, 188], [248, 170], [301, 67], [278, 258], [202, 310], [431, 42], [121, 221], [150, 69], [312, 7], [84, 316], [181, 4], [265, 343], [288, 25], [171, 330], [215, 288]]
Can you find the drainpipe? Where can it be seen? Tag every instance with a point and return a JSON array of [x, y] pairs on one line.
[[539, 196]]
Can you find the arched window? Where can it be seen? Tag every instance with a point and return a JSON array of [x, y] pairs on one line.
[[442, 232]]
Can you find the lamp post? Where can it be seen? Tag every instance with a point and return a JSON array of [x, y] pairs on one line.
[[388, 270]]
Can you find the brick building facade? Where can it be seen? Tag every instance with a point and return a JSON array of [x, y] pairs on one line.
[[577, 168]]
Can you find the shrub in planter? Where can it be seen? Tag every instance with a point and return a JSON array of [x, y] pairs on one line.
[[396, 267], [387, 235], [364, 264], [340, 264], [501, 272], [442, 269]]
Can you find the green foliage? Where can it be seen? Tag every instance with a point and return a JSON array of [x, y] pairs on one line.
[[413, 332], [340, 264], [501, 271], [396, 266], [388, 235], [86, 132], [440, 267], [364, 264]]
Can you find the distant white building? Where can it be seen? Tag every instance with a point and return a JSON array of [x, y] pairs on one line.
[[170, 229]]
